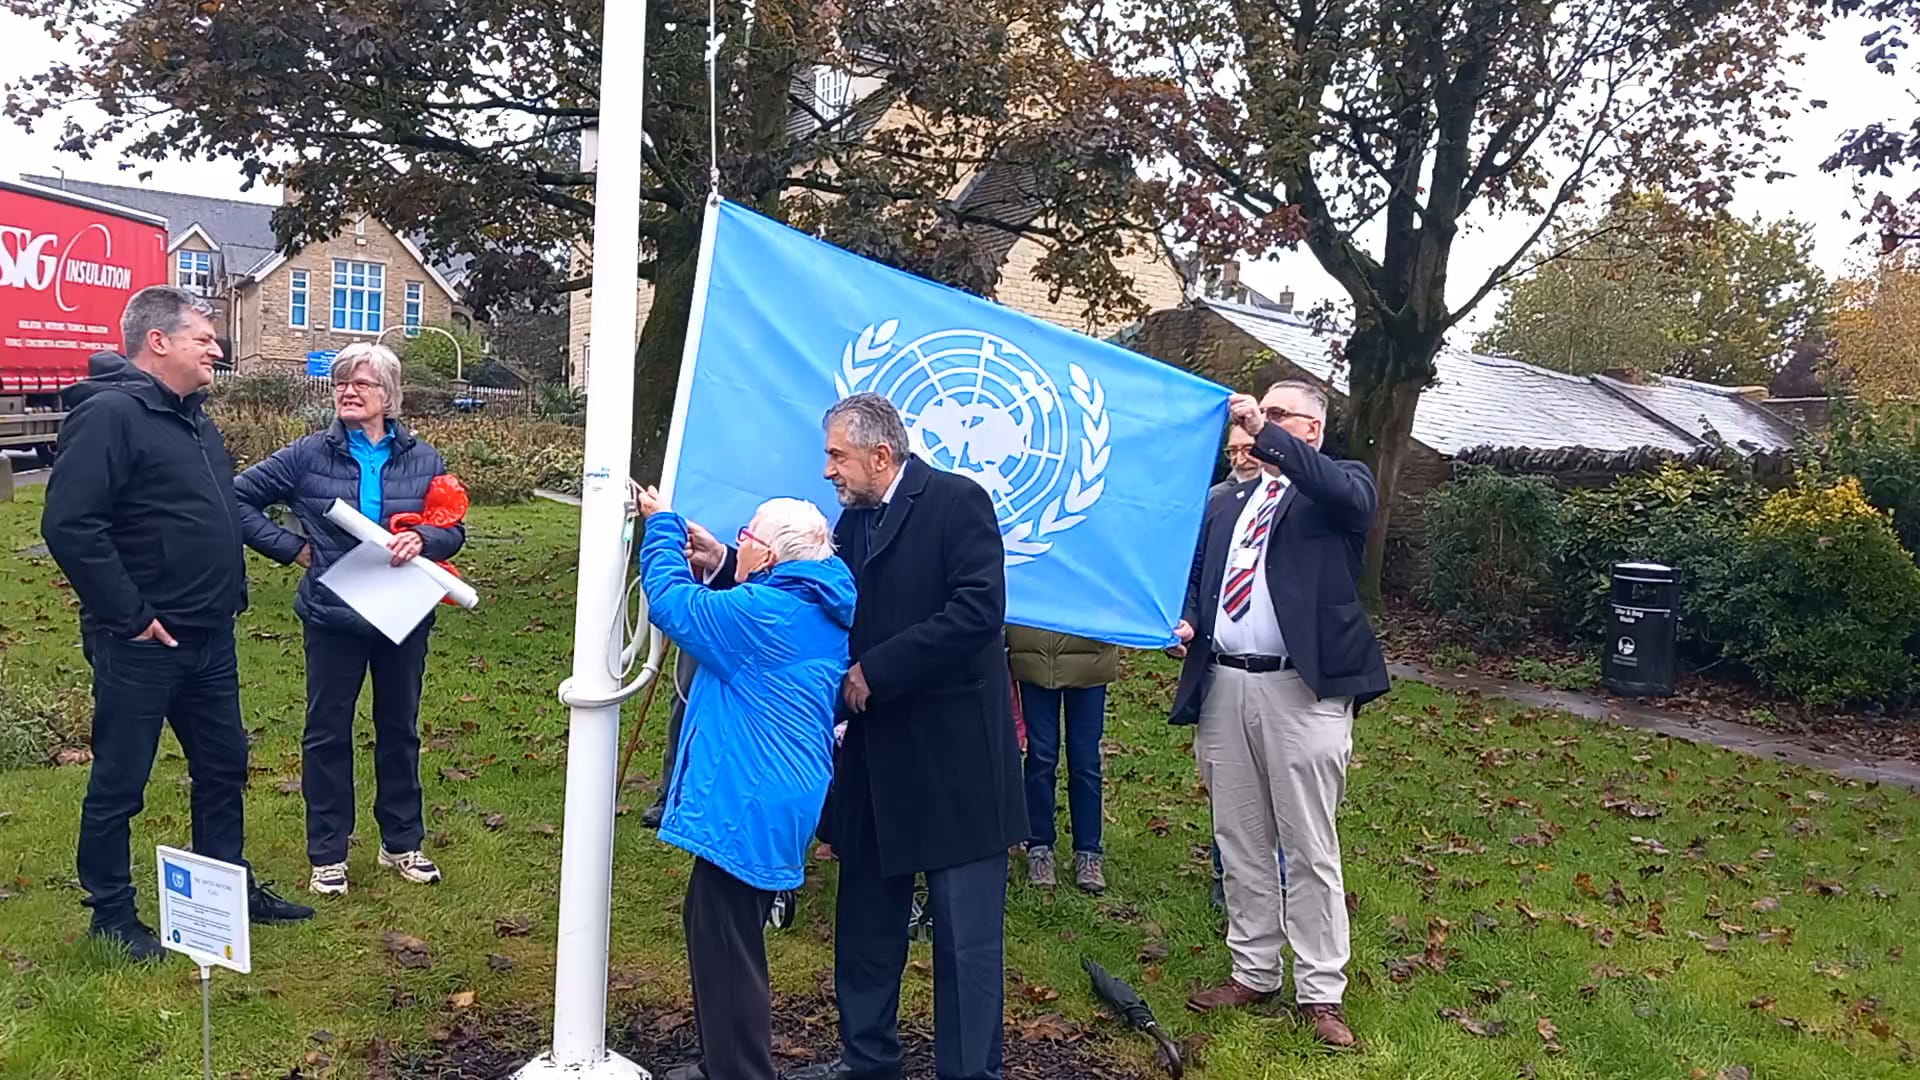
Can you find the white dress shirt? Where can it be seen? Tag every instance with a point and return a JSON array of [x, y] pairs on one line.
[[1258, 631]]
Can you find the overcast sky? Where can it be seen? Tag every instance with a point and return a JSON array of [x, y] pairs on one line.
[[1834, 72]]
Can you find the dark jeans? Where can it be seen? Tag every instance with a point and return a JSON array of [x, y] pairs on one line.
[[138, 686], [724, 919], [337, 665], [683, 669], [1086, 709], [968, 905]]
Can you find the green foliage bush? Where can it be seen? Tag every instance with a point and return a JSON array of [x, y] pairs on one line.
[[1881, 446], [1491, 540], [1693, 519], [252, 431], [502, 459], [37, 721], [277, 393], [1828, 597]]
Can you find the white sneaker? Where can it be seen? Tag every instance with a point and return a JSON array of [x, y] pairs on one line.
[[413, 865], [329, 880]]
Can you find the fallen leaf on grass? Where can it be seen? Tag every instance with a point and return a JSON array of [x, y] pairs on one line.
[[322, 1037], [1050, 1027], [1603, 937], [494, 821], [1735, 1072], [450, 773], [1717, 944], [289, 786], [1042, 994], [499, 963], [1486, 1029], [1766, 904], [408, 951], [461, 1000], [543, 829], [1583, 884], [1615, 896], [1153, 950], [1159, 825], [73, 755], [1549, 1034], [514, 926]]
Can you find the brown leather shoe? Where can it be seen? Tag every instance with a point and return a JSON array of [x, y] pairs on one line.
[[1329, 1024], [1231, 996]]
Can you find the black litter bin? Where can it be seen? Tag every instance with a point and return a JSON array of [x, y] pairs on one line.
[[1640, 651]]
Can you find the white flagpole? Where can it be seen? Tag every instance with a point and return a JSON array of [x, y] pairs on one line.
[[594, 692]]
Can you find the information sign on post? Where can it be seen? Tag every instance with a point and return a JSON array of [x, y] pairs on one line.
[[320, 364], [203, 909]]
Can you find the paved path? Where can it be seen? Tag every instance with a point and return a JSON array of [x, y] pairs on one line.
[[1741, 738]]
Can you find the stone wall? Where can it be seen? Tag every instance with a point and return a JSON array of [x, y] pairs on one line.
[[580, 316], [1155, 282], [264, 339]]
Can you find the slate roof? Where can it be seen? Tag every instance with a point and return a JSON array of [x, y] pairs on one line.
[[242, 230], [1479, 400]]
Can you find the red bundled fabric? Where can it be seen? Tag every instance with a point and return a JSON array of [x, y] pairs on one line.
[[445, 507]]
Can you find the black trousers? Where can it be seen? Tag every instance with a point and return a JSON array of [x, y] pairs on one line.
[[683, 669], [727, 957], [968, 904], [137, 687], [337, 664]]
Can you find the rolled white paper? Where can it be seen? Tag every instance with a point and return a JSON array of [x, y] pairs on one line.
[[357, 525]]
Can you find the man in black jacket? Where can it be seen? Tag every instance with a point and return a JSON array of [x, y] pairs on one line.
[[141, 518], [1281, 656], [928, 778]]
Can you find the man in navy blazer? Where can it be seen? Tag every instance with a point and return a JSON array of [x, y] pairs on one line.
[[1280, 656]]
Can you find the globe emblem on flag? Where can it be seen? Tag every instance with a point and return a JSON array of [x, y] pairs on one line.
[[977, 405]]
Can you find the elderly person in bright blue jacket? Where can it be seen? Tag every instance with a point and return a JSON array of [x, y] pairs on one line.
[[756, 745]]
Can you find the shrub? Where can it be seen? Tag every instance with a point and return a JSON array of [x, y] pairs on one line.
[[1490, 547], [1881, 446], [37, 721], [275, 393], [502, 459], [558, 401], [434, 352], [1693, 519], [253, 432], [1829, 597]]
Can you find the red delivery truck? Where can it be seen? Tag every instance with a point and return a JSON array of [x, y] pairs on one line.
[[68, 265]]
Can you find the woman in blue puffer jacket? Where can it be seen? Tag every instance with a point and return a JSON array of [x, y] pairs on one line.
[[756, 747], [369, 460]]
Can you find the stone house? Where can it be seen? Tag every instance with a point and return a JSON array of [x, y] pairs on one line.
[[273, 309], [1156, 275], [1480, 407]]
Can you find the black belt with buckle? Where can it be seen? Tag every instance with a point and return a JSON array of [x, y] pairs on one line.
[[1256, 665]]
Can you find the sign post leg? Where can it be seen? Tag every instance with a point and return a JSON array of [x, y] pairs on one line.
[[206, 1021]]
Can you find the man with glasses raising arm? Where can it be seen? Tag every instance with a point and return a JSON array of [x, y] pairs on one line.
[[1280, 657]]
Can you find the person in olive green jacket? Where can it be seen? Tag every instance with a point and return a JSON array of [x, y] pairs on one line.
[[1060, 673]]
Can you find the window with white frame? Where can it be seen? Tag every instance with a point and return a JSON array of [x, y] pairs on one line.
[[196, 271], [297, 298], [359, 296], [832, 92], [416, 300]]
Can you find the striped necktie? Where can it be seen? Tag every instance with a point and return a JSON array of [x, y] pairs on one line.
[[1238, 597]]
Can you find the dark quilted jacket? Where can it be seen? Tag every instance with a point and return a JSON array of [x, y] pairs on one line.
[[309, 473]]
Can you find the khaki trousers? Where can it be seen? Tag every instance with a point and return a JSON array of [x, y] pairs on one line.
[[1274, 760]]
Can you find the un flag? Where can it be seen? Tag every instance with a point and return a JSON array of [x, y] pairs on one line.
[[1097, 458]]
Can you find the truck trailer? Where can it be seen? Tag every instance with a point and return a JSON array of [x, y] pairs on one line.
[[68, 265]]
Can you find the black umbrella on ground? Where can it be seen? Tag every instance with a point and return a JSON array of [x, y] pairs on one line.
[[1125, 1000]]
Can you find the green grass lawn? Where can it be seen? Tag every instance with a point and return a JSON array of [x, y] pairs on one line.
[[1759, 917]]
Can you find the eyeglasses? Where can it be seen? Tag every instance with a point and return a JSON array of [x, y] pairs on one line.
[[1278, 415], [745, 535], [1239, 451], [362, 386]]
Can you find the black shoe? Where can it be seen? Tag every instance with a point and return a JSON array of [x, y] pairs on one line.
[[142, 944], [832, 1070], [650, 817], [265, 906]]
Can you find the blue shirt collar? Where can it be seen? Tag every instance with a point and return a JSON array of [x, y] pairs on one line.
[[357, 437]]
